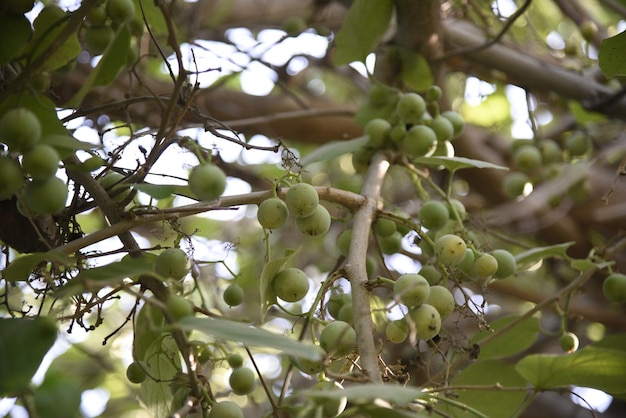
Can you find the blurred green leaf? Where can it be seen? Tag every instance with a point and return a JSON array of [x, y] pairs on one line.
[[58, 389], [48, 25], [163, 362], [365, 393], [23, 344], [416, 72], [17, 34], [363, 27], [525, 332], [334, 149], [149, 327], [611, 57], [21, 268], [162, 191], [530, 257], [456, 163]]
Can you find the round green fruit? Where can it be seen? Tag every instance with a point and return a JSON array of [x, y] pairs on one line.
[[467, 264], [391, 244], [226, 409], [434, 215], [20, 129], [272, 213], [346, 314], [514, 184], [112, 182], [135, 372], [411, 108], [527, 158], [337, 301], [411, 289], [419, 141], [172, 263], [431, 274], [577, 144], [443, 128], [233, 295], [179, 307], [485, 266], [309, 366], [302, 200], [550, 151], [433, 93], [235, 361], [120, 10], [384, 227], [291, 284], [377, 130], [45, 196], [588, 30], [98, 38], [97, 16], [207, 181], [450, 250], [456, 119], [569, 342], [442, 300], [316, 224], [397, 331], [11, 178], [614, 287], [338, 338], [506, 263], [426, 320], [242, 380], [41, 161], [343, 242]]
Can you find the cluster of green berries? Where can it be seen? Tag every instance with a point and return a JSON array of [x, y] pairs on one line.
[[102, 20]]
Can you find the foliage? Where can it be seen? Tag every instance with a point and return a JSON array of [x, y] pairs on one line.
[[441, 233]]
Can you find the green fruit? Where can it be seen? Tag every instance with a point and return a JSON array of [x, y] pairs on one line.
[[506, 263], [485, 266], [97, 16], [307, 365], [377, 130], [431, 274], [337, 301], [11, 178], [467, 264], [135, 372], [172, 263], [527, 158], [112, 182], [433, 93], [316, 224], [98, 38], [442, 300], [411, 289], [42, 81], [419, 141], [338, 338], [233, 295], [577, 144], [398, 132], [291, 284], [384, 227], [346, 314], [514, 184], [294, 25], [343, 242], [302, 200], [614, 287], [450, 249], [41, 161], [569, 342], [92, 163], [272, 213], [361, 159], [588, 30], [456, 119], [226, 409], [120, 10], [235, 361], [204, 353], [455, 205], [179, 307], [411, 108], [443, 128], [207, 181], [331, 406], [426, 320], [397, 331], [20, 129], [550, 151], [434, 215], [45, 196], [242, 380], [391, 244], [371, 265]]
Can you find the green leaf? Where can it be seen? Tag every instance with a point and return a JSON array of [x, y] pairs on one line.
[[48, 25], [592, 367], [528, 258], [270, 270], [583, 115], [162, 191], [415, 72], [163, 363], [362, 29], [611, 57], [366, 393], [490, 401], [149, 327], [57, 389], [17, 33], [223, 329], [21, 268], [457, 163], [334, 149], [113, 60], [374, 411], [23, 344], [525, 332]]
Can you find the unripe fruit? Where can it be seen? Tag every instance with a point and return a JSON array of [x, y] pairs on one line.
[[577, 144], [135, 372], [614, 287], [588, 30], [485, 266], [179, 307], [441, 299], [426, 320], [233, 295], [419, 141], [207, 181], [450, 249], [235, 361], [302, 200], [112, 182], [434, 215], [433, 93], [272, 213], [97, 16], [443, 128], [384, 227], [204, 353], [343, 242], [361, 159], [41, 161], [346, 314], [506, 263], [411, 108], [397, 331], [527, 158], [11, 178], [226, 409], [242, 380], [20, 129], [291, 284], [550, 151], [336, 302], [411, 289], [316, 224], [514, 184], [120, 10], [467, 264], [172, 263], [97, 38], [377, 130], [391, 244], [398, 132], [308, 366], [431, 274], [569, 342], [456, 119], [45, 196], [338, 338], [331, 407]]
